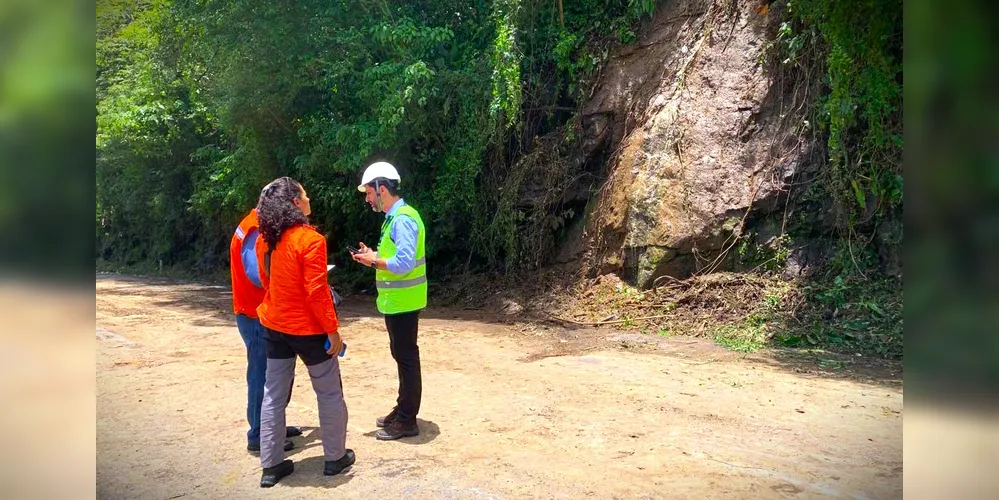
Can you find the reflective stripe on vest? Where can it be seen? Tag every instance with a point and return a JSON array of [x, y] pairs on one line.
[[406, 292], [401, 283]]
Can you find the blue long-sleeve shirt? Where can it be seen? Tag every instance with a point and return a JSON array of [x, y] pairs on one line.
[[403, 231], [249, 255]]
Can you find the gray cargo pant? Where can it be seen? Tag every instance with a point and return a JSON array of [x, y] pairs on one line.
[[324, 371]]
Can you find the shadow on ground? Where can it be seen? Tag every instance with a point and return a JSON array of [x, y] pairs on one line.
[[309, 472], [428, 432]]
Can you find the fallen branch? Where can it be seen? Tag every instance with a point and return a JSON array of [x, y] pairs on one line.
[[701, 363], [597, 323]]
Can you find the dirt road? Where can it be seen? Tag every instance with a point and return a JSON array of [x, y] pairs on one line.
[[509, 411]]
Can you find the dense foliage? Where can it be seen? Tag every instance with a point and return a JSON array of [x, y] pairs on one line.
[[856, 299], [858, 47], [201, 102]]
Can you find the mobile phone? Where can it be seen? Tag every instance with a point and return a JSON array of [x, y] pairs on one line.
[[343, 350], [353, 250]]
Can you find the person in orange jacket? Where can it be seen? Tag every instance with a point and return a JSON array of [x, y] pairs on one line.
[[299, 317], [247, 294]]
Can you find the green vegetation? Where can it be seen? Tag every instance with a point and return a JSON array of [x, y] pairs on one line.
[[854, 301], [749, 336], [201, 102], [849, 310], [858, 45]]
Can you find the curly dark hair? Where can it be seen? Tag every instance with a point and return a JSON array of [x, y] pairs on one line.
[[276, 211]]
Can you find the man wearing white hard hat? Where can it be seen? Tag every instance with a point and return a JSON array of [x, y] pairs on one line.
[[401, 279]]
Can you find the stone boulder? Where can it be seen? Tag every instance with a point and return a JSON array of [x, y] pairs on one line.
[[701, 137]]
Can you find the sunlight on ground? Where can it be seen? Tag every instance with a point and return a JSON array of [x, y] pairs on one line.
[[49, 388]]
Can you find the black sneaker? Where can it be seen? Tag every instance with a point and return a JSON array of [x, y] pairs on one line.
[[255, 447], [292, 431], [397, 429], [272, 475], [387, 419], [334, 467]]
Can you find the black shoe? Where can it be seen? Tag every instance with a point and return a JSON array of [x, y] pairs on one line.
[[387, 419], [293, 431], [334, 467], [288, 446], [397, 429], [272, 475]]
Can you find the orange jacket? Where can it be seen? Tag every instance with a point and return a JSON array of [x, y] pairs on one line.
[[298, 300], [245, 295]]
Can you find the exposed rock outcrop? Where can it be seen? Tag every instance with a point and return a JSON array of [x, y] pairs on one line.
[[701, 138]]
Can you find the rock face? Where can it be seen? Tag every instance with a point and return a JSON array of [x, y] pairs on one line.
[[701, 138]]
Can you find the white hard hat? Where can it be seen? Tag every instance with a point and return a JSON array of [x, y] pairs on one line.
[[378, 169]]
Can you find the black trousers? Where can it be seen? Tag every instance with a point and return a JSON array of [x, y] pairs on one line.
[[402, 330]]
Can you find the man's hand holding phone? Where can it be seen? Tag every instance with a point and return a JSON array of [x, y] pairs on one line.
[[364, 255]]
